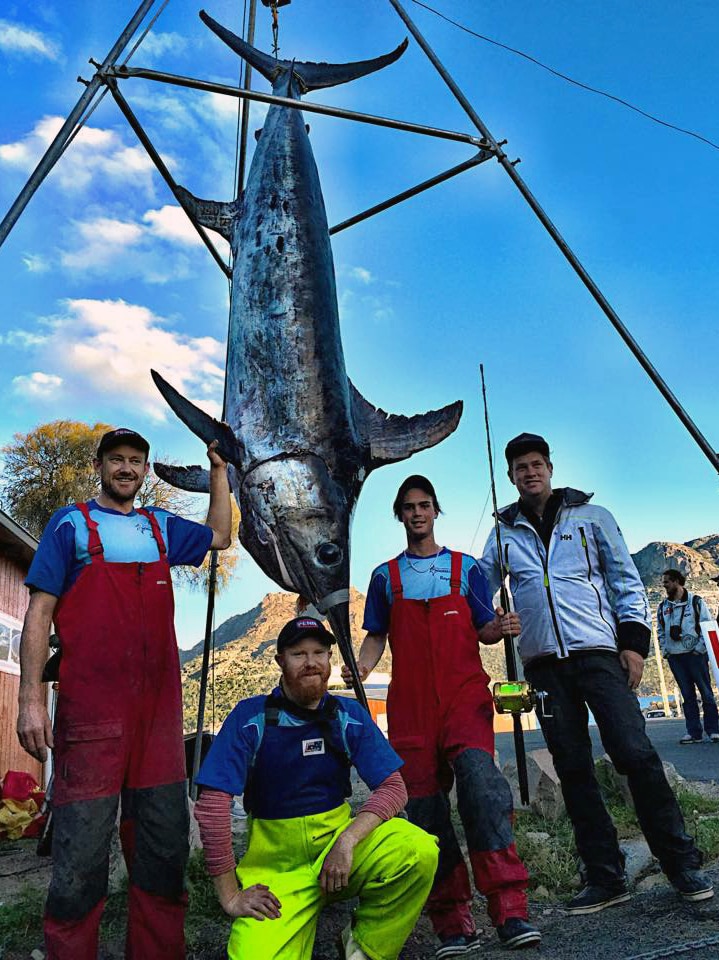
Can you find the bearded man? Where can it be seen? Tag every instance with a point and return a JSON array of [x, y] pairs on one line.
[[102, 574], [290, 754]]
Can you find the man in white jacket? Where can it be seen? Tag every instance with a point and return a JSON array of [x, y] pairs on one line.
[[586, 631], [680, 639]]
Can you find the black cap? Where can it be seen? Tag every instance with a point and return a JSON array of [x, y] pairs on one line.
[[302, 627], [525, 443], [116, 438]]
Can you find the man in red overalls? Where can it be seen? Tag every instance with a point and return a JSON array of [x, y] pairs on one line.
[[102, 573], [434, 604]]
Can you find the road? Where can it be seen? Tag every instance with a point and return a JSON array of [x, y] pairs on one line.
[[698, 761]]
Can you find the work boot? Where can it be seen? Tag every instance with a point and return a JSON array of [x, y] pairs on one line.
[[594, 898]]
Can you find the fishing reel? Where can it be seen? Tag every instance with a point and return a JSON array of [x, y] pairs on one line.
[[514, 696]]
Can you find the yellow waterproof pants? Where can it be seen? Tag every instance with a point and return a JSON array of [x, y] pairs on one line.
[[392, 873]]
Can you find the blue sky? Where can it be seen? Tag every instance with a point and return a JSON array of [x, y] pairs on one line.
[[103, 278]]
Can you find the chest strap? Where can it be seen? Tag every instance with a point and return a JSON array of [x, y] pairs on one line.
[[455, 577], [395, 579], [94, 543], [325, 717]]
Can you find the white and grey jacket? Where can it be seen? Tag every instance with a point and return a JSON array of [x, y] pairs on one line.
[[688, 614], [584, 594]]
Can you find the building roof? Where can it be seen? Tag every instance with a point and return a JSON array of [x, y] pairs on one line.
[[15, 542]]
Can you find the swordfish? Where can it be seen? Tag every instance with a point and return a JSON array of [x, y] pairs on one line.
[[299, 438]]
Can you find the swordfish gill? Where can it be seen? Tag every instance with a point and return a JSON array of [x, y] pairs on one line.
[[300, 439]]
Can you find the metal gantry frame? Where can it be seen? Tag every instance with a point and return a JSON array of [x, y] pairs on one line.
[[107, 76]]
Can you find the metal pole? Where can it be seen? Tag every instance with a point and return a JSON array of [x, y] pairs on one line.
[[604, 304], [412, 192], [203, 674], [54, 151], [247, 82], [128, 73]]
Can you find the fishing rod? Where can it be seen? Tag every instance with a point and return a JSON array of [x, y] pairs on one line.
[[513, 697]]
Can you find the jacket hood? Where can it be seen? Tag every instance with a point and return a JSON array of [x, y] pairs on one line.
[[570, 498]]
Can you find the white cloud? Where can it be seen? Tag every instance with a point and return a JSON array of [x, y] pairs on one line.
[[22, 40], [157, 249], [172, 223], [22, 339], [35, 263], [155, 45], [94, 153], [37, 386], [110, 345], [361, 274]]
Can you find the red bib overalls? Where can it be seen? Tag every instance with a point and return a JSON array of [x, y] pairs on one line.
[[118, 731], [440, 721]]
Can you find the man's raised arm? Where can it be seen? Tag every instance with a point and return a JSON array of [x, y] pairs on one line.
[[219, 514]]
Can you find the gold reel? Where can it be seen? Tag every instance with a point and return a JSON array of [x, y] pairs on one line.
[[513, 696]]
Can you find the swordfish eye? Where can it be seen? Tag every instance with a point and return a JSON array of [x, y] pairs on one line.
[[328, 554]]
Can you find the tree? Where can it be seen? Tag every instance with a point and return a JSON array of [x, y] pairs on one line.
[[52, 466], [48, 468]]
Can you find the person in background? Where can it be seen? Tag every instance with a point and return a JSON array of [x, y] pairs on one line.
[[680, 640]]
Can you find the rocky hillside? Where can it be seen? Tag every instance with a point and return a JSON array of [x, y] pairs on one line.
[[244, 644]]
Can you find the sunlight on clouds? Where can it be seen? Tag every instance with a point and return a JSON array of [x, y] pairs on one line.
[[19, 39], [35, 263], [36, 386], [158, 44], [94, 153], [110, 345], [172, 223]]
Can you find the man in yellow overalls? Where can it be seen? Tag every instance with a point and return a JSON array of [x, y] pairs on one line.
[[290, 754]]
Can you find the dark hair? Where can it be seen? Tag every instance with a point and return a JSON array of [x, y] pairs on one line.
[[676, 575], [415, 482]]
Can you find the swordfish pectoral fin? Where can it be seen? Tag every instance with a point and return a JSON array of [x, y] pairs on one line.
[[313, 76], [194, 479], [213, 214], [394, 437], [202, 424]]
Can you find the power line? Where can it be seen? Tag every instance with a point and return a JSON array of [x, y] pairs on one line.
[[563, 76]]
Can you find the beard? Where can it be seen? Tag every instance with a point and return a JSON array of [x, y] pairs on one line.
[[306, 688], [119, 495]]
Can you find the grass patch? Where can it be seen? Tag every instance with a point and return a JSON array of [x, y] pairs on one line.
[[551, 860], [21, 920], [702, 819]]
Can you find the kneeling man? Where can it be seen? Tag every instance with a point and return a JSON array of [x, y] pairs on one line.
[[290, 754]]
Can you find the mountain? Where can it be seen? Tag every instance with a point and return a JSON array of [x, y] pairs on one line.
[[244, 645]]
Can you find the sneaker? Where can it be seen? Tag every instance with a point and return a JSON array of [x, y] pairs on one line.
[[714, 737], [516, 933], [688, 738], [693, 885], [459, 945], [594, 898], [350, 949]]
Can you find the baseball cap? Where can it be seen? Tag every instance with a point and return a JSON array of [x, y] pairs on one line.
[[525, 443], [115, 438], [302, 627]]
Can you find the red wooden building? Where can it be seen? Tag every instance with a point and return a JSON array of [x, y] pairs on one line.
[[17, 549]]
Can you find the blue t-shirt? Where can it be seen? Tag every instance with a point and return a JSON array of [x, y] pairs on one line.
[[233, 751], [422, 579], [126, 538]]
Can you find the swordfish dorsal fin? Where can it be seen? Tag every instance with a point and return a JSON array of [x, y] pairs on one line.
[[213, 214], [394, 437], [202, 424], [312, 76]]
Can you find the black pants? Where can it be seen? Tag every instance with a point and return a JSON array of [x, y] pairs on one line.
[[596, 680]]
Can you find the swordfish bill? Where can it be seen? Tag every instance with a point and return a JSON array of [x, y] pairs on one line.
[[300, 439]]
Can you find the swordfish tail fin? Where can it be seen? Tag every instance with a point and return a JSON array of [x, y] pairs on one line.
[[312, 76], [393, 437], [202, 424]]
